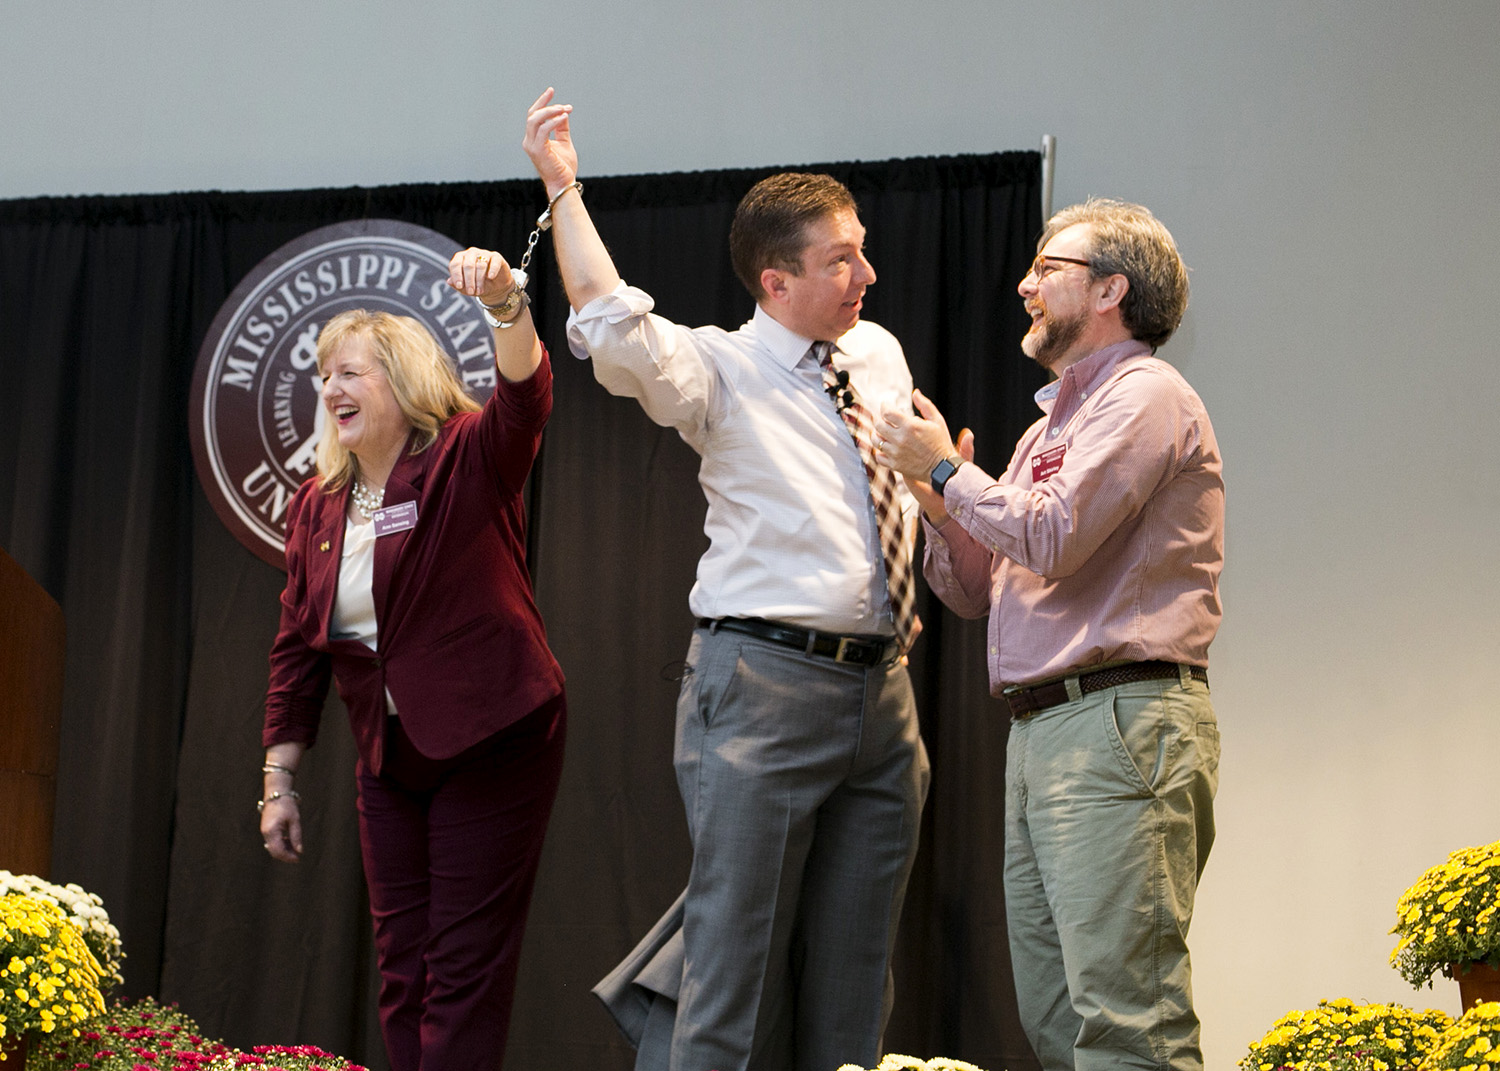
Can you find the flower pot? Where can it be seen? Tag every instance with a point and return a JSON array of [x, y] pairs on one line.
[[13, 1047], [1477, 983]]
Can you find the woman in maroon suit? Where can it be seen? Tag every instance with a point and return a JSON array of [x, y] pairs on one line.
[[407, 583]]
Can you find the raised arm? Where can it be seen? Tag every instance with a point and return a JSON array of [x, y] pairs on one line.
[[587, 270], [484, 274]]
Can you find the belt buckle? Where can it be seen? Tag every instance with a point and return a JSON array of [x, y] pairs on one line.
[[845, 642], [1026, 698]]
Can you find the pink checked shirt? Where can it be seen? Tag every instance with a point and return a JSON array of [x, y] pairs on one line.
[[1104, 539]]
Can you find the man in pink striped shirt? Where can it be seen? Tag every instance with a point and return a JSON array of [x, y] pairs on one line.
[[1097, 557]]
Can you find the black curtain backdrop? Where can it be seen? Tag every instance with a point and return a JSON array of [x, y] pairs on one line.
[[103, 304]]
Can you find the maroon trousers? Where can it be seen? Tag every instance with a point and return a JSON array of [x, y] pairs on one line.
[[450, 853]]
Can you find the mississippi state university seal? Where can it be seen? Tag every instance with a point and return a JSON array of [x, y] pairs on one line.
[[256, 408]]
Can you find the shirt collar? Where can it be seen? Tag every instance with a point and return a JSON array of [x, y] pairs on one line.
[[785, 345], [1081, 378]]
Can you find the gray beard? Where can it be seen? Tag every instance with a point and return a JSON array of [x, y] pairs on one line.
[[1047, 346]]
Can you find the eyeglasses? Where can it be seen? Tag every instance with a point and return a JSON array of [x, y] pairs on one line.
[[1040, 269]]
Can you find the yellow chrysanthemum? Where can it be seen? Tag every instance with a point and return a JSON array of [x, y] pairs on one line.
[[1450, 915], [1340, 1035], [40, 953]]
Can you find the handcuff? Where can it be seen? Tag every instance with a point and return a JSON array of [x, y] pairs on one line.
[[508, 311]]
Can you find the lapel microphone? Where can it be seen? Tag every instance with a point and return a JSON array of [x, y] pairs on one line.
[[838, 390]]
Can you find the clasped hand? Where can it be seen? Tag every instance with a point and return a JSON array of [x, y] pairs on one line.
[[913, 444], [481, 273]]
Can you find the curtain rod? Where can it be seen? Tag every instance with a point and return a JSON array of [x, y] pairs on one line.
[[1049, 162]]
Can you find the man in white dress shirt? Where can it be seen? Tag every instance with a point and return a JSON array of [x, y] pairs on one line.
[[797, 752]]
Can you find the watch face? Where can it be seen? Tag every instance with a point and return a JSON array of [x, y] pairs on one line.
[[942, 471]]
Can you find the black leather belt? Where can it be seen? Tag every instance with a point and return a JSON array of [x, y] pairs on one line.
[[860, 650], [1024, 702]]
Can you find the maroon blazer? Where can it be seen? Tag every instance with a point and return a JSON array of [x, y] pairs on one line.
[[462, 648]]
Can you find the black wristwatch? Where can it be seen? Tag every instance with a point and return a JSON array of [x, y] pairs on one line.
[[943, 470]]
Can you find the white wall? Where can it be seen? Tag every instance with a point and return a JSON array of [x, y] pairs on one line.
[[1328, 169]]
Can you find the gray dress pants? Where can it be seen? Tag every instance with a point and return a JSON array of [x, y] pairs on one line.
[[803, 780]]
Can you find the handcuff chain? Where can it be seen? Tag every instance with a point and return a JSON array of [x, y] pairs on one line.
[[531, 244], [544, 223]]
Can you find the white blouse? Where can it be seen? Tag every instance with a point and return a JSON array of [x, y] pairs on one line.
[[354, 605]]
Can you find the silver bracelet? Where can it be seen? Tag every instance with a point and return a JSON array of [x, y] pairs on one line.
[[290, 794], [272, 767]]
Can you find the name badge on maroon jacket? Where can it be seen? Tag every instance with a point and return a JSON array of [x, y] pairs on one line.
[[1043, 465], [397, 518]]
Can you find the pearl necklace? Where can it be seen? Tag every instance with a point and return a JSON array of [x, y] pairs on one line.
[[367, 499]]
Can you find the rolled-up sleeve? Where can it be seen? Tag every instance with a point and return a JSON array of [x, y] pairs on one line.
[[637, 354]]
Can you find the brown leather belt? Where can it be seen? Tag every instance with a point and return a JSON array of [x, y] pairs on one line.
[[1024, 702], [860, 650]]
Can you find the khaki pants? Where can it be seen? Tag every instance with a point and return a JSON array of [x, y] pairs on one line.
[[1109, 820]]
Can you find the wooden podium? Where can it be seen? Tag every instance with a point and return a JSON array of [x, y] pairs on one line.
[[31, 680]]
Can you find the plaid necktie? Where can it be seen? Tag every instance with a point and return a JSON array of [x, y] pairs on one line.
[[895, 546]]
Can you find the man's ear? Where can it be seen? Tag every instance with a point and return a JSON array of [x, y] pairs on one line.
[[1114, 291], [773, 282]]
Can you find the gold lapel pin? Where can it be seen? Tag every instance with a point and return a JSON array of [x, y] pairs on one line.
[[323, 545]]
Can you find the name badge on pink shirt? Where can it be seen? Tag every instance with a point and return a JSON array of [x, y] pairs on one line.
[[397, 518], [1046, 463]]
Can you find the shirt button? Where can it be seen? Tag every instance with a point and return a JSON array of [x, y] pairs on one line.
[[1084, 395], [1053, 433], [994, 650]]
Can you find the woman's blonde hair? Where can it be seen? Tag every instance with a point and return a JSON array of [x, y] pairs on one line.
[[421, 377]]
